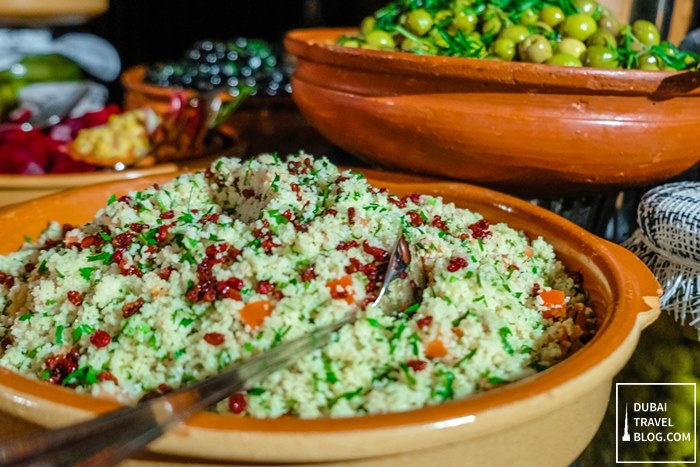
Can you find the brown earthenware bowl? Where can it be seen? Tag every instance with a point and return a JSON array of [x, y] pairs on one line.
[[561, 407], [524, 128]]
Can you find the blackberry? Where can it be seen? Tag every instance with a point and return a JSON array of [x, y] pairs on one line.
[[236, 64]]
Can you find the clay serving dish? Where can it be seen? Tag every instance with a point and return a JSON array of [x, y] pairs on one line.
[[547, 419], [525, 128]]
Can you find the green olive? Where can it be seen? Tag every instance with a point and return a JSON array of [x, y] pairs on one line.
[[571, 46], [380, 39], [602, 37], [409, 45], [586, 6], [504, 48], [516, 33], [646, 32], [579, 26], [437, 38], [561, 59], [442, 15], [368, 24], [599, 56], [466, 21], [535, 49], [528, 16], [552, 15], [474, 36], [492, 25], [419, 21], [611, 24]]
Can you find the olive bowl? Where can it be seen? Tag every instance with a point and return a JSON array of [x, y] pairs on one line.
[[547, 419], [519, 127]]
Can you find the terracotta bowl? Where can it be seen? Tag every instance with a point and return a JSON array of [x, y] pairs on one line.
[[519, 127], [547, 419]]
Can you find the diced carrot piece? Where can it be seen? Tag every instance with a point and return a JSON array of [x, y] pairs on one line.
[[553, 298], [529, 252], [342, 288], [254, 313], [555, 301], [435, 349]]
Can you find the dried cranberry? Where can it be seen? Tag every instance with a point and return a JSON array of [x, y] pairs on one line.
[[424, 322], [439, 223], [399, 203], [344, 246], [214, 338], [331, 212], [125, 199], [288, 214], [414, 197], [75, 297], [417, 365], [132, 308], [296, 189], [107, 376], [162, 232], [415, 219], [123, 240], [167, 215], [535, 289], [237, 403], [60, 366], [29, 267], [378, 253], [213, 218], [6, 280], [138, 228], [165, 273], [456, 264], [248, 193], [308, 274], [351, 216], [100, 339]]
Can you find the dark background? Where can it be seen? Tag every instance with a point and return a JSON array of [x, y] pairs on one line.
[[146, 31]]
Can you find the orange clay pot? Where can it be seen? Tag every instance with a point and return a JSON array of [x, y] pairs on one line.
[[547, 419], [524, 128]]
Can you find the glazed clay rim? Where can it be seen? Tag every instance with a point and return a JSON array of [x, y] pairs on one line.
[[616, 330], [318, 45]]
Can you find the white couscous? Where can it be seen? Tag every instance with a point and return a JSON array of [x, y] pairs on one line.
[[174, 283]]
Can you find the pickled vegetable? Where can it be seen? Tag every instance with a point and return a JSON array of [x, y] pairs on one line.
[[555, 32]]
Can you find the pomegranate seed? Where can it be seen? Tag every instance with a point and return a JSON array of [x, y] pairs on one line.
[[417, 365], [424, 322], [265, 287], [100, 339], [237, 403], [214, 338], [480, 229], [75, 297]]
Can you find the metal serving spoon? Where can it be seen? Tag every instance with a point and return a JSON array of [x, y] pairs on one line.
[[110, 438]]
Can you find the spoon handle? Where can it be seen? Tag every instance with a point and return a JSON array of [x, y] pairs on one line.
[[110, 438]]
